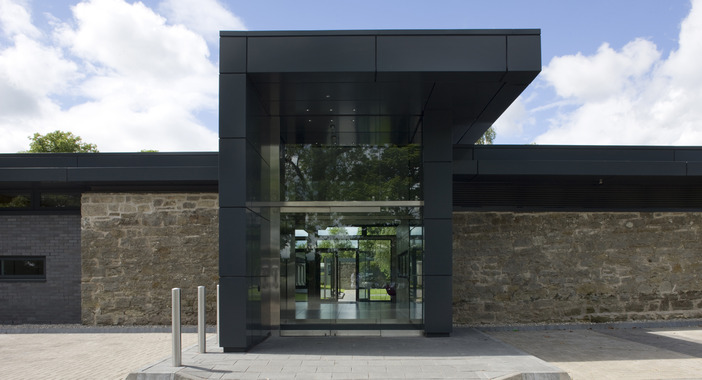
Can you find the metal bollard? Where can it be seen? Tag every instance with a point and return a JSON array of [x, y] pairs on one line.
[[218, 314], [175, 327], [201, 321]]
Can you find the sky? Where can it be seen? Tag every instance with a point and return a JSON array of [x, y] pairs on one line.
[[129, 75]]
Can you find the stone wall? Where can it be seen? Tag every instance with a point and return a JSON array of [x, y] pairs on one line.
[[572, 267], [57, 299], [136, 247]]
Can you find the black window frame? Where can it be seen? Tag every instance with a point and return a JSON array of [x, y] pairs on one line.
[[38, 205], [22, 277]]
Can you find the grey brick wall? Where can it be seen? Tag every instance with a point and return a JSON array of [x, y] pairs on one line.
[[56, 300]]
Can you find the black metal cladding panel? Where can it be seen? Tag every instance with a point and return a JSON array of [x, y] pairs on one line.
[[366, 91], [232, 55], [142, 174], [232, 169], [524, 53], [441, 53], [37, 160], [465, 167], [549, 193], [112, 167], [380, 32], [232, 105], [301, 54], [65, 160], [438, 308], [570, 153], [598, 168], [144, 160], [32, 174], [688, 154]]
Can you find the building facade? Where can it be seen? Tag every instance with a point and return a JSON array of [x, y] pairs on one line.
[[347, 197]]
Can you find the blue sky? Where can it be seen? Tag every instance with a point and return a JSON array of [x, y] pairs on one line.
[[130, 76]]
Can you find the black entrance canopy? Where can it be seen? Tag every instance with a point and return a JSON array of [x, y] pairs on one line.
[[473, 74], [286, 97]]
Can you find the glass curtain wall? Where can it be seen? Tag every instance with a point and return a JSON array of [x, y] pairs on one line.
[[351, 236]]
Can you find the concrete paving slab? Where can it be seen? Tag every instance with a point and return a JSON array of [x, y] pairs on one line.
[[81, 356], [615, 353], [467, 354]]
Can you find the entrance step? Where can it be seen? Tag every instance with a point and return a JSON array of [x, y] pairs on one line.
[[376, 333]]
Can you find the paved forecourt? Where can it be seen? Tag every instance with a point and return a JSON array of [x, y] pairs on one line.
[[75, 354], [615, 352], [467, 354]]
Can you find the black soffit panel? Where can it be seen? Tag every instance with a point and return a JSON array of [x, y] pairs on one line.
[[314, 79]]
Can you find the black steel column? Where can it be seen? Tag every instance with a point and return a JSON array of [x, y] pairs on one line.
[[438, 234], [233, 225]]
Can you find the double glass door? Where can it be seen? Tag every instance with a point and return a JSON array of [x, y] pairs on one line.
[[362, 274], [351, 276]]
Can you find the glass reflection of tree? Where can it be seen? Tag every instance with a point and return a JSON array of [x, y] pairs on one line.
[[351, 173]]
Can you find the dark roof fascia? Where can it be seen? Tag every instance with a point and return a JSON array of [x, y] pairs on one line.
[[379, 32], [559, 161], [86, 169]]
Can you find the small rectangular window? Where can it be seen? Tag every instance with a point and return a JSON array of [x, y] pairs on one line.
[[15, 200], [23, 268], [60, 200]]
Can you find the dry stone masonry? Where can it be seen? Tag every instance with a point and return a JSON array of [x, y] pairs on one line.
[[571, 267], [136, 247]]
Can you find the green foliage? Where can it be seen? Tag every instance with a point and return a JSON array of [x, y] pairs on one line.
[[487, 138], [57, 200], [346, 173], [59, 142], [148, 151], [381, 253], [15, 201]]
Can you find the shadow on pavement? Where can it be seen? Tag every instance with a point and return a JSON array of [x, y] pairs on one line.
[[650, 338], [463, 342]]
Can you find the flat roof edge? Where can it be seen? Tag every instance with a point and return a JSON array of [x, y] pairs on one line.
[[378, 32]]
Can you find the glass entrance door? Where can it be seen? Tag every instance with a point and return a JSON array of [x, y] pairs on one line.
[[337, 269], [352, 275]]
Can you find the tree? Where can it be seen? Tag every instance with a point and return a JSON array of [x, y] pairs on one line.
[[487, 138], [59, 142]]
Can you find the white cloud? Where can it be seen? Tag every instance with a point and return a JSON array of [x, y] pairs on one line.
[[206, 17], [607, 72], [15, 19], [122, 77], [631, 96], [511, 123]]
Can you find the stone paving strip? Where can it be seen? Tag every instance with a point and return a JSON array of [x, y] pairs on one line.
[[630, 353], [76, 356]]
